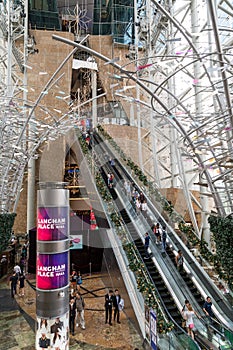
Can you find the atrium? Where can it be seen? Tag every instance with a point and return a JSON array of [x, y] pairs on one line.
[[116, 116]]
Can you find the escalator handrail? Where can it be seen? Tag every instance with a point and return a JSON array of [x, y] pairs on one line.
[[193, 260], [151, 280]]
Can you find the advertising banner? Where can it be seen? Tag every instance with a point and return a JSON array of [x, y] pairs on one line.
[[153, 329], [76, 242], [52, 223], [52, 271], [53, 333]]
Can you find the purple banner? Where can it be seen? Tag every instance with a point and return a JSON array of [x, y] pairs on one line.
[[52, 223], [52, 271]]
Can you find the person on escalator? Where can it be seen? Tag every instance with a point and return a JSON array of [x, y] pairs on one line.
[[111, 179], [164, 239], [179, 261], [144, 208], [146, 245], [207, 308], [184, 309], [157, 232], [189, 314]]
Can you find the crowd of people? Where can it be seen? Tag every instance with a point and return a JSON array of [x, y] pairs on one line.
[[113, 304], [17, 279]]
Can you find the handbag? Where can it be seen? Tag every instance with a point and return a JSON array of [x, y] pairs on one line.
[[121, 305], [191, 326]]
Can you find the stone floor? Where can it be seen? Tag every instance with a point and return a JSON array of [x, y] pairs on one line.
[[17, 321]]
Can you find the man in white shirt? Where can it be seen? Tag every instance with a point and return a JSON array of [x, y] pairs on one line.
[[17, 270]]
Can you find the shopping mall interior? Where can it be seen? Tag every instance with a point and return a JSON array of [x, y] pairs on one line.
[[116, 122]]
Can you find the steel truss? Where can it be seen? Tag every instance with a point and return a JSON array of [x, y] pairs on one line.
[[185, 57]]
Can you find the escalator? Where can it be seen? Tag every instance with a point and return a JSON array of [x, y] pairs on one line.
[[162, 290], [226, 310], [187, 279]]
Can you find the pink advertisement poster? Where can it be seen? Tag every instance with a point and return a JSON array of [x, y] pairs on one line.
[[52, 223], [52, 271]]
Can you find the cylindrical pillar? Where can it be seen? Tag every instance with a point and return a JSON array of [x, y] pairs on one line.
[[52, 271]]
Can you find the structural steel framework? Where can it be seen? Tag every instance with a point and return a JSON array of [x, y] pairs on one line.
[[182, 52]]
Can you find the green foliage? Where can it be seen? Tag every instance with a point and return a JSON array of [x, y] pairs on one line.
[[101, 186], [6, 225], [222, 229], [218, 261], [83, 144], [169, 207], [115, 219], [146, 287]]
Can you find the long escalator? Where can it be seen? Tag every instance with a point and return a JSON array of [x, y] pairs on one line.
[[161, 287]]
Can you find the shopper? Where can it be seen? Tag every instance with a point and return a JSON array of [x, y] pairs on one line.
[[13, 282], [21, 284], [207, 308], [185, 309], [116, 303], [189, 314], [80, 305], [179, 261], [79, 281], [146, 245], [108, 307], [72, 315], [164, 239]]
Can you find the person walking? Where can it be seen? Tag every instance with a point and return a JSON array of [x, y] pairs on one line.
[[24, 251], [116, 304], [21, 284], [79, 281], [108, 307], [13, 282], [146, 245], [179, 261], [72, 314], [80, 305], [17, 270], [73, 280]]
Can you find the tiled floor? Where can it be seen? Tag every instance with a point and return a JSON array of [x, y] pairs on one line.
[[18, 315]]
